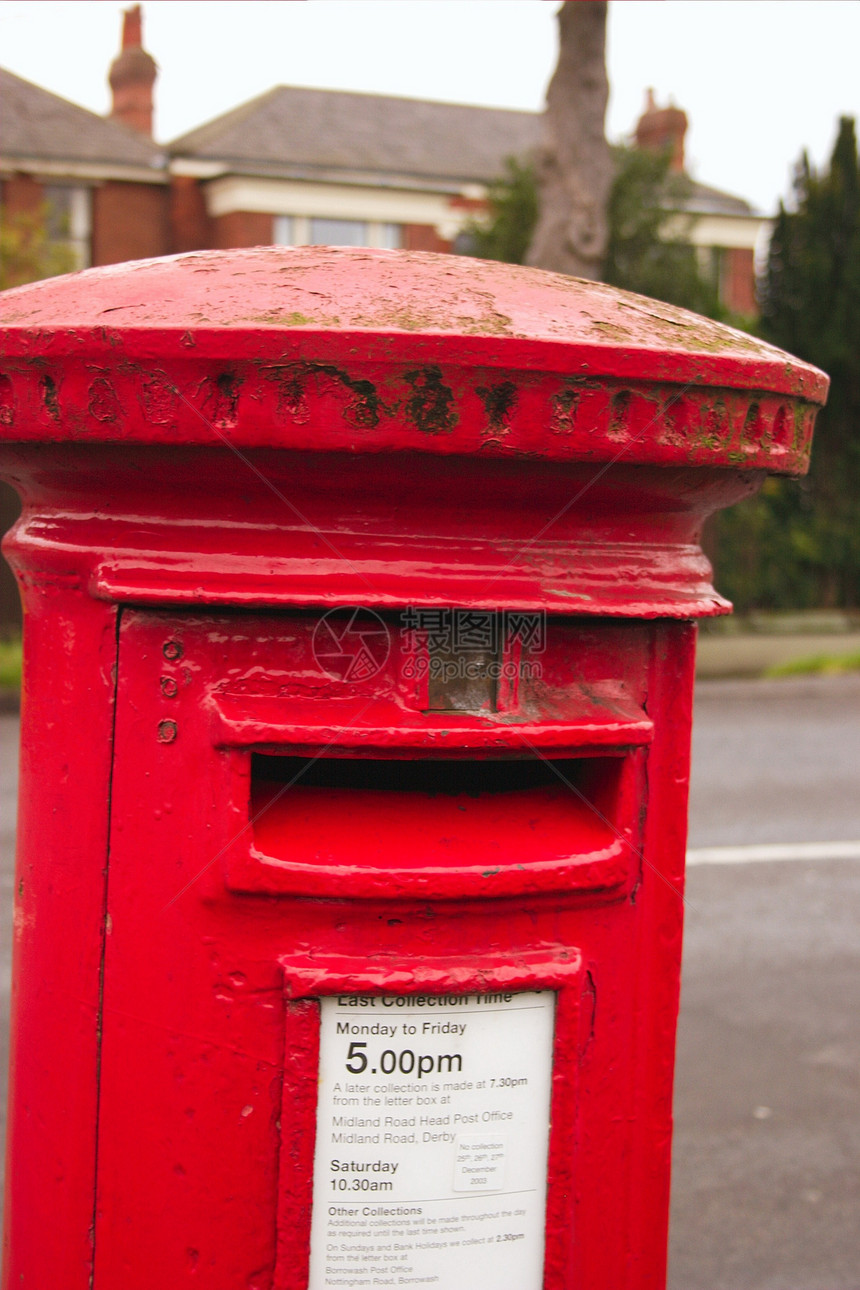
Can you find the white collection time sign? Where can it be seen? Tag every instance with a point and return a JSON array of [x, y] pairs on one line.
[[432, 1136]]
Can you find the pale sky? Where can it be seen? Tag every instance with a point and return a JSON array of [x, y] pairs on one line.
[[758, 79]]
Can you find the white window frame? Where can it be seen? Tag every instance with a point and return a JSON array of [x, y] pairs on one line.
[[295, 230]]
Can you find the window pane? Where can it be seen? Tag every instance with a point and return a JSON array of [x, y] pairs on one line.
[[392, 236], [282, 232], [58, 216], [338, 232], [68, 220]]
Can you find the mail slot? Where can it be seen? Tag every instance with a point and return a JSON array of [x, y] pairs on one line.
[[360, 597], [448, 816]]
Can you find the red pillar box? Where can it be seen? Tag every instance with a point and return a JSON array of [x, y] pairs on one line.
[[359, 593]]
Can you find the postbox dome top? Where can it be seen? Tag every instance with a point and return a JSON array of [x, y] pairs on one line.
[[407, 296], [347, 308]]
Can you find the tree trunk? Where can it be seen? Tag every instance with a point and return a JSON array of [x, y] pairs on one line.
[[575, 166]]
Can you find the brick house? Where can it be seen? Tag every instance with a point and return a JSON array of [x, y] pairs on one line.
[[300, 166], [102, 185]]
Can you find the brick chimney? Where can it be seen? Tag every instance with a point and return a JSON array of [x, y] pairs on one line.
[[132, 76], [662, 129]]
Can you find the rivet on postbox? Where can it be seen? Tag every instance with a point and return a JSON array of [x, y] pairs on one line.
[[438, 586], [166, 732]]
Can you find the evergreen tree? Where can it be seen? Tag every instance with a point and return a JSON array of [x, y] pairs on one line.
[[799, 544]]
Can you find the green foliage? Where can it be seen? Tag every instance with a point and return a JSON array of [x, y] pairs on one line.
[[512, 204], [817, 665], [798, 545], [649, 249], [10, 663], [27, 254]]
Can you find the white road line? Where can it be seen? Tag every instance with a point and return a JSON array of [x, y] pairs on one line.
[[774, 851]]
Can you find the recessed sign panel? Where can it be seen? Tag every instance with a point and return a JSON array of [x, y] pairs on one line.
[[432, 1136]]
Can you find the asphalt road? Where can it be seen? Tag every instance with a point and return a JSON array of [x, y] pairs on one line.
[[766, 1181], [776, 761], [766, 1187], [766, 1174]]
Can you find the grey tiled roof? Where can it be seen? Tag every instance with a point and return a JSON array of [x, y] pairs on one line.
[[331, 130], [712, 201], [331, 134], [39, 125], [308, 133]]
